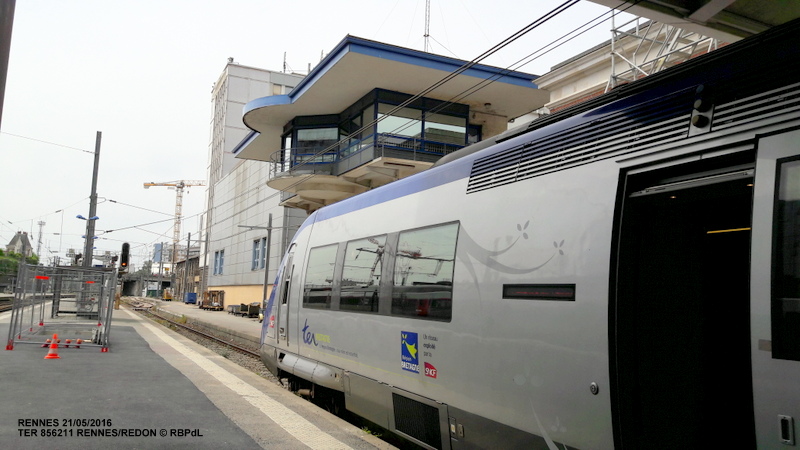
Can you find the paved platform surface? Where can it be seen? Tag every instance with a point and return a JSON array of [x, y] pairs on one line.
[[154, 389], [244, 325]]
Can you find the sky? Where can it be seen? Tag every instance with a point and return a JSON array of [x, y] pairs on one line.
[[141, 73]]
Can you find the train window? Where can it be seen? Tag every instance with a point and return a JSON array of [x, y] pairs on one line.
[[423, 272], [786, 266], [318, 287], [361, 274]]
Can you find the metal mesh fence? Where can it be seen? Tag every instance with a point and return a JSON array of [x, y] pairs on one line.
[[72, 304]]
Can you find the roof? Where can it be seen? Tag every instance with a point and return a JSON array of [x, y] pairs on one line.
[[727, 20], [20, 240], [357, 66]]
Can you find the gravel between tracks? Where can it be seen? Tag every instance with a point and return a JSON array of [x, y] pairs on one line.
[[250, 363]]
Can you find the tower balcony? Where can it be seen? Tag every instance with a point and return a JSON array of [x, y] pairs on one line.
[[314, 177]]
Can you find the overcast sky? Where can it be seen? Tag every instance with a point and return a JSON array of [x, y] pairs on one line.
[[141, 72]]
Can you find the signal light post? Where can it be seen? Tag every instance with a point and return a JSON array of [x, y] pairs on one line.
[[124, 257]]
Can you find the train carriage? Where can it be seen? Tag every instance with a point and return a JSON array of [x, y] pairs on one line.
[[623, 274]]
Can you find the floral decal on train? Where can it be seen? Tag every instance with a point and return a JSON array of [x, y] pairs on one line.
[[493, 258]]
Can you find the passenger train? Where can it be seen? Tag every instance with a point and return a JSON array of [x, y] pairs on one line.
[[622, 274]]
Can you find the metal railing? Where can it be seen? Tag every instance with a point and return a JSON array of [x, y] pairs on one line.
[[294, 161]]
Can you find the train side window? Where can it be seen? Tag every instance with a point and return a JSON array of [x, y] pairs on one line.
[[361, 275], [423, 272], [786, 263], [318, 287]]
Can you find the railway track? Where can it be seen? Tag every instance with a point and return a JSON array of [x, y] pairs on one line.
[[211, 337], [6, 305]]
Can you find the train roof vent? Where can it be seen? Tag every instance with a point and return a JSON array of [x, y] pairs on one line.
[[630, 129], [766, 105]]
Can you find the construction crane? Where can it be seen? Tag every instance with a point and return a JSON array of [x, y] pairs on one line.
[[179, 186]]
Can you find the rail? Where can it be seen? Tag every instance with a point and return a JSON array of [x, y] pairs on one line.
[[183, 326]]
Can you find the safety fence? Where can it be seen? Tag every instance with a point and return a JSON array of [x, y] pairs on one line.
[[62, 307]]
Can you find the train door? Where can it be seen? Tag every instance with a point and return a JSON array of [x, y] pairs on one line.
[[680, 314], [283, 300], [775, 290]]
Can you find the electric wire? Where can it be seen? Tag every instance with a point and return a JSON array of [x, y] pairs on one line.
[[523, 61], [48, 142], [139, 207], [507, 41], [480, 85], [441, 82], [512, 38]]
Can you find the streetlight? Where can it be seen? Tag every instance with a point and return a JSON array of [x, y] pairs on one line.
[[61, 230]]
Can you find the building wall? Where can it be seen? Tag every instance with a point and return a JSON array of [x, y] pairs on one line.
[[236, 295], [243, 199], [233, 183], [236, 86]]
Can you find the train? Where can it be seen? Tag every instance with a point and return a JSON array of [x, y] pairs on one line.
[[624, 273]]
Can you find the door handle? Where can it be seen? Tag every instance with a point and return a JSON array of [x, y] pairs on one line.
[[786, 425]]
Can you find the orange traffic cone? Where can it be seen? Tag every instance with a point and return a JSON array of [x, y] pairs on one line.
[[78, 343], [67, 342], [46, 344], [53, 352]]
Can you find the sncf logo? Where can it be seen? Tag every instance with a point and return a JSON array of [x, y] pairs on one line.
[[430, 370]]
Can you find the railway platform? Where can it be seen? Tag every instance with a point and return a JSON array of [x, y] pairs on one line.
[[153, 388], [244, 327]]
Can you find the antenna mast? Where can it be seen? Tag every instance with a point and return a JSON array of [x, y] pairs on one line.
[[427, 34]]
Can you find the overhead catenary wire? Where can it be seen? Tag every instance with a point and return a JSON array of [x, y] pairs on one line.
[[139, 207], [548, 16], [512, 38], [530, 27], [521, 62], [480, 85], [91, 152], [507, 41]]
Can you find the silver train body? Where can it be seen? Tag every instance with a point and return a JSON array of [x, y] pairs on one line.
[[624, 274]]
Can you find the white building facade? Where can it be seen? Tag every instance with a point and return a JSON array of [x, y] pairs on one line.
[[234, 256]]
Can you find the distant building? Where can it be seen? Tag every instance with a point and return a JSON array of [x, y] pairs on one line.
[[20, 244], [636, 49], [233, 259]]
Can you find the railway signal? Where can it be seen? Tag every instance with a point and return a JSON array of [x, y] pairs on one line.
[[124, 257]]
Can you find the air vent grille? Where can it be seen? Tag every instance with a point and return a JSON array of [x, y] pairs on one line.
[[417, 420], [765, 105], [634, 128]]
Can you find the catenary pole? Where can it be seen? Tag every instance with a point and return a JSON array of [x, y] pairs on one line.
[[87, 250], [6, 24]]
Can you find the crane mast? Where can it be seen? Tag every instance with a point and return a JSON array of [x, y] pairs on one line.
[[179, 186]]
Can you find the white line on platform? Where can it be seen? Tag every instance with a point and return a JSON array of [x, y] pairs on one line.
[[293, 423]]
